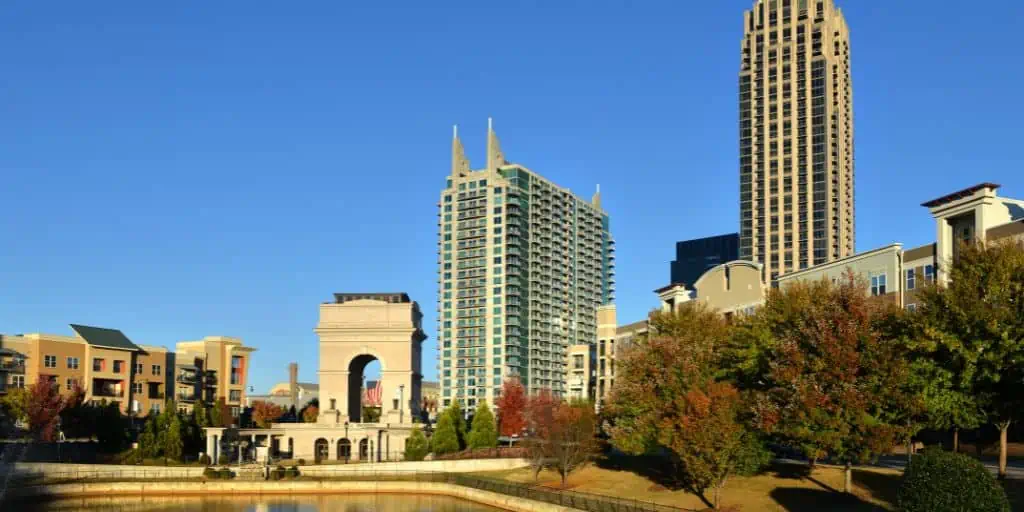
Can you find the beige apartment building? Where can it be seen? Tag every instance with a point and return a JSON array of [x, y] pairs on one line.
[[582, 375], [211, 369], [895, 274], [523, 265], [104, 363], [796, 136]]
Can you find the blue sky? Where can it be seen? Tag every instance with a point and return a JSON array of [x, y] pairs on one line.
[[183, 169]]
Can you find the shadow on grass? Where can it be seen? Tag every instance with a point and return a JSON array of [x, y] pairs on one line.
[[798, 472], [1015, 492], [656, 469], [801, 500], [882, 486]]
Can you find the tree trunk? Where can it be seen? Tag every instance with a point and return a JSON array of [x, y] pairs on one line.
[[910, 450], [1003, 428], [848, 478], [956, 439], [717, 503]]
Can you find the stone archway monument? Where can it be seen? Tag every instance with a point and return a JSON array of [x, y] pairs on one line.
[[356, 329]]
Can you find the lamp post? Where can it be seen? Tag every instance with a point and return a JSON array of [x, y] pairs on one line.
[[401, 403]]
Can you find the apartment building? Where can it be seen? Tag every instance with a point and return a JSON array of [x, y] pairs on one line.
[[895, 274], [211, 369], [582, 375], [523, 265], [796, 136], [105, 364]]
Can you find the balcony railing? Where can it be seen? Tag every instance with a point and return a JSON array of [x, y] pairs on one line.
[[185, 378], [107, 393], [186, 397], [12, 366]]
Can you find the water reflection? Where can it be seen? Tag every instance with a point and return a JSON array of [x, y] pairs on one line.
[[336, 502]]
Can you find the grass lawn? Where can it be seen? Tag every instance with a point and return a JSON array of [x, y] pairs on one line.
[[782, 488]]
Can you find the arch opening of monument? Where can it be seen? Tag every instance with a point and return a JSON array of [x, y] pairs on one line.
[[356, 380]]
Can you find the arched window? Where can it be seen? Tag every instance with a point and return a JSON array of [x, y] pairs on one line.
[[364, 449], [344, 450], [320, 449]]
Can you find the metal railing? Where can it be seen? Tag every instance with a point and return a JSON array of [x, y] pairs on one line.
[[567, 498]]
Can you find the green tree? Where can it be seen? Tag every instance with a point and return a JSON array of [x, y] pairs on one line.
[[416, 447], [459, 420], [937, 398], [833, 387], [483, 434], [446, 436], [173, 440], [222, 416], [15, 403], [110, 427], [149, 444], [979, 321]]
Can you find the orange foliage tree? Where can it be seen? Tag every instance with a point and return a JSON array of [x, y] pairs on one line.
[[264, 413], [511, 405]]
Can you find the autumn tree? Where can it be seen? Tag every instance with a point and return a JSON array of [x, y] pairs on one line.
[[570, 440], [43, 409], [483, 433], [264, 413], [979, 320], [671, 398], [511, 405], [310, 413], [831, 385], [540, 419]]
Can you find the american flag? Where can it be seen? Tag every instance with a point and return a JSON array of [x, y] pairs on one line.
[[372, 393]]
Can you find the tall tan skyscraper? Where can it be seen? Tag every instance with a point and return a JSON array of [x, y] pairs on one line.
[[796, 135]]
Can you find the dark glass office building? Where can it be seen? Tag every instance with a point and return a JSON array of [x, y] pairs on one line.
[[694, 257]]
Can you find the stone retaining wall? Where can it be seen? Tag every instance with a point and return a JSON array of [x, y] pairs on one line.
[[284, 487]]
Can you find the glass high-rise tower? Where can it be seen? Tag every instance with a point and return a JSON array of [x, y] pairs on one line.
[[796, 136], [523, 266]]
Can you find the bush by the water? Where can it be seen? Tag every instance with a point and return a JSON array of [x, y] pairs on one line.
[[226, 474], [940, 481], [204, 459], [211, 473], [292, 472], [223, 460]]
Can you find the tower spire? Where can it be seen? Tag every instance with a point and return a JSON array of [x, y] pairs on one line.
[[495, 158], [596, 200], [460, 164]]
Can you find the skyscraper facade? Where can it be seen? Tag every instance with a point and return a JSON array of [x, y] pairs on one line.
[[796, 136], [523, 266]]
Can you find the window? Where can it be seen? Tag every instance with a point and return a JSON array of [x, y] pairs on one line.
[[911, 281], [17, 381], [155, 408], [911, 307], [139, 368], [394, 404], [137, 388], [98, 364], [118, 366], [929, 274], [50, 361], [236, 370], [234, 411], [235, 395], [334, 404], [878, 285], [156, 369], [73, 363], [71, 384]]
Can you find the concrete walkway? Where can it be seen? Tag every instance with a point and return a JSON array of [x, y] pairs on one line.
[[1014, 469]]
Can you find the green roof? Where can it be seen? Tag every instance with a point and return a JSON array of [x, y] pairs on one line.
[[107, 338]]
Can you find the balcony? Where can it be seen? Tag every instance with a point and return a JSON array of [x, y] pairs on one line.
[[186, 378], [185, 397], [12, 366]]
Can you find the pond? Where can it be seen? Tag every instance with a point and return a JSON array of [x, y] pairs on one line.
[[211, 503]]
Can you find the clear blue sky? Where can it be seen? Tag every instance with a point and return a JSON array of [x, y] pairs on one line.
[[183, 169]]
